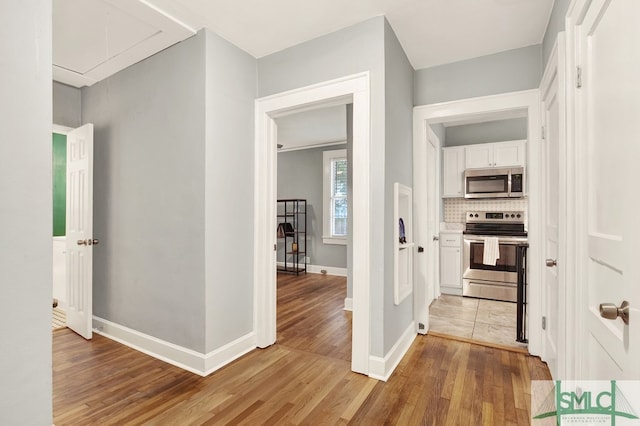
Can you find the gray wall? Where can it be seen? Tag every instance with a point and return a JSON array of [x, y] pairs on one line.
[[509, 71], [398, 168], [231, 92], [556, 25], [25, 212], [67, 105], [149, 198], [349, 51], [300, 175], [490, 131]]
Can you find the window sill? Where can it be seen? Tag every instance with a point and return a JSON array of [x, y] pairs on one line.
[[335, 240]]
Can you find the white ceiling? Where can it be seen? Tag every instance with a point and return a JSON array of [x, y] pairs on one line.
[[96, 38]]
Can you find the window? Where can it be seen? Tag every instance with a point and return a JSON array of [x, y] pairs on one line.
[[335, 197]]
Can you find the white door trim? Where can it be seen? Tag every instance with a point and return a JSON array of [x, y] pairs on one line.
[[575, 331], [528, 101], [61, 130], [555, 74], [351, 89]]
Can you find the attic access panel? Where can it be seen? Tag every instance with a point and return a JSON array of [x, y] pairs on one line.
[[93, 39]]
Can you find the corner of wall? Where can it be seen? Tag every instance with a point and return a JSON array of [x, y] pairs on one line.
[[382, 368]]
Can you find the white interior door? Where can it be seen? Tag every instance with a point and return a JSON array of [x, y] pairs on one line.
[[608, 112], [79, 254], [552, 99], [432, 215], [426, 184]]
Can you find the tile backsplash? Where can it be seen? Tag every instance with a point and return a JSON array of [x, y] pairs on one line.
[[455, 208]]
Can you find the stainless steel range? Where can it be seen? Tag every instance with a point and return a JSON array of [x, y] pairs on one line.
[[482, 278]]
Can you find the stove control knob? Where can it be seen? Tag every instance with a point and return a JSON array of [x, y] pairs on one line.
[[513, 215], [518, 215], [470, 214], [476, 215]]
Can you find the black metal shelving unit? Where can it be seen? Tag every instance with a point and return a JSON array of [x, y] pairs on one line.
[[292, 232]]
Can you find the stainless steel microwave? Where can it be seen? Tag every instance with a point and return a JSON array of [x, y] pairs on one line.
[[507, 182]]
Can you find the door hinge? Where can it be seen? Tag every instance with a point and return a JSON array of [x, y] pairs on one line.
[[578, 77], [542, 132], [544, 323], [275, 247]]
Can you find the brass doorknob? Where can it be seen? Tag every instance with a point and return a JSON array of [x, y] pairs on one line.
[[551, 263], [611, 311], [82, 242], [95, 241]]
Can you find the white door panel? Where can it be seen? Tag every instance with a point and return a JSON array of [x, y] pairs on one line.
[[79, 232], [553, 293], [608, 111]]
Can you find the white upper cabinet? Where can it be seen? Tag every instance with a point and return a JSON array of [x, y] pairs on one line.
[[498, 154], [453, 172], [509, 153], [479, 156]]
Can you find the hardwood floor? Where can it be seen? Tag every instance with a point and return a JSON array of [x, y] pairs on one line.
[[311, 315], [296, 381]]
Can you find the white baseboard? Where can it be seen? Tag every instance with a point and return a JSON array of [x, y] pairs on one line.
[[331, 270], [382, 368], [317, 269], [348, 304], [451, 290], [187, 359]]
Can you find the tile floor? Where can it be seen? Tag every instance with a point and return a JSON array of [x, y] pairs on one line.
[[479, 319]]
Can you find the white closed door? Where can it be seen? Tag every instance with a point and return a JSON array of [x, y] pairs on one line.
[[552, 92], [80, 241], [608, 141]]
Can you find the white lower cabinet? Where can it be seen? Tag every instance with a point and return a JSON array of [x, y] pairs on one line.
[[451, 263]]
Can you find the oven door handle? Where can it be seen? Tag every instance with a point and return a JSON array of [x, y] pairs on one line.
[[500, 241]]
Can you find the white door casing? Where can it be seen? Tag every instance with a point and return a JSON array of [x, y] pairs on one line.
[[525, 104], [553, 209], [79, 232], [351, 89], [433, 215], [603, 38]]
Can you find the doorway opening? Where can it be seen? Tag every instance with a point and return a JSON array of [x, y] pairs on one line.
[[313, 195], [73, 223], [348, 90], [59, 174], [429, 123]]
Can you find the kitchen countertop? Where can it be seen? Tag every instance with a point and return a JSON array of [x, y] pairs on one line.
[[452, 227]]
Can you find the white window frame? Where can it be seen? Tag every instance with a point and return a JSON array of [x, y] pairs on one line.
[[327, 160]]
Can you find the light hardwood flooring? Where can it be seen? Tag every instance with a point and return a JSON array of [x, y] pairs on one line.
[[296, 381], [481, 320], [311, 315]]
